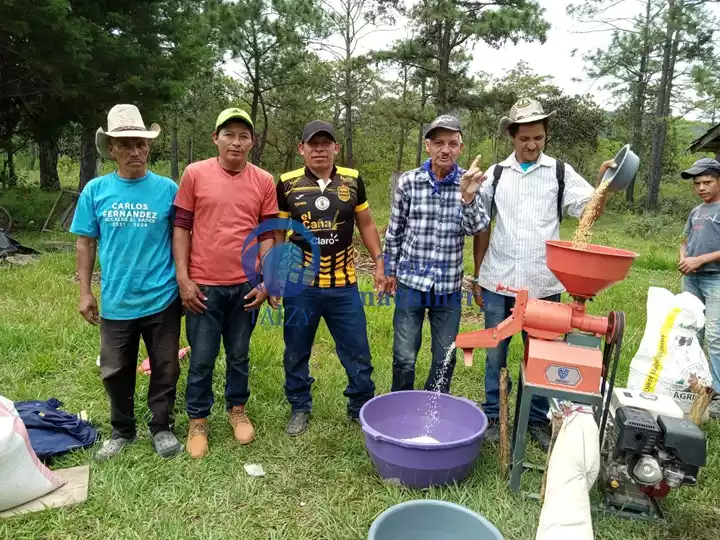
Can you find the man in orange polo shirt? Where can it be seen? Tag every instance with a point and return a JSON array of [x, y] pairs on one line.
[[220, 202]]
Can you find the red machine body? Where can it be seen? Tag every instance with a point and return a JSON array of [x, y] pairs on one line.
[[551, 359]]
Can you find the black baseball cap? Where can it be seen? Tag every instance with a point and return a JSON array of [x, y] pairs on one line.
[[315, 127], [444, 121], [700, 166]]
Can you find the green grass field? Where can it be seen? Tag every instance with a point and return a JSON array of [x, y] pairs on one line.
[[321, 485]]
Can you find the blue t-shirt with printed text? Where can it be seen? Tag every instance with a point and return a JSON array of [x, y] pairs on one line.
[[132, 220]]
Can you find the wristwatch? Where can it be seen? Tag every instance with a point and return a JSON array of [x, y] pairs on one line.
[[475, 280]]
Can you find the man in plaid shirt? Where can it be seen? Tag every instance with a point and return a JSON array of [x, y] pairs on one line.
[[434, 209]]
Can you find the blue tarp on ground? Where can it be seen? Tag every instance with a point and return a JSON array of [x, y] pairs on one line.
[[10, 246], [53, 431]]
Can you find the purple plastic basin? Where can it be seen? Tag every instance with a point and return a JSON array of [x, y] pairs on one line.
[[458, 424]]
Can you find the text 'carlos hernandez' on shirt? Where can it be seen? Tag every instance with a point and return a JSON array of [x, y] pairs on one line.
[[328, 211]]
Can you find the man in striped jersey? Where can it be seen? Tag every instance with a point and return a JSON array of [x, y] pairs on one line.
[[328, 201], [526, 195]]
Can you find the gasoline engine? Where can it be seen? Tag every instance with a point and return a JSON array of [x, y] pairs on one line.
[[649, 448]]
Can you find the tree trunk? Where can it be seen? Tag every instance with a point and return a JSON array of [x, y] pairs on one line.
[[33, 155], [256, 152], [423, 100], [663, 104], [639, 100], [401, 149], [348, 136], [259, 148], [10, 166], [403, 133], [394, 178], [12, 175], [174, 166], [290, 158], [88, 156], [348, 85], [444, 72], [48, 150], [191, 148], [261, 143], [256, 96]]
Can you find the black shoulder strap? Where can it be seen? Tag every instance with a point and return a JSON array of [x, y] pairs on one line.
[[497, 173], [560, 173]]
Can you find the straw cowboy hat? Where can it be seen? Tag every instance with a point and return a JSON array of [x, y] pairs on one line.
[[123, 121], [525, 111]]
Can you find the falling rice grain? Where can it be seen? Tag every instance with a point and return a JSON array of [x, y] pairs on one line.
[[583, 234]]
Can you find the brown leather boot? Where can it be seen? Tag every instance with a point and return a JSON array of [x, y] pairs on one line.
[[243, 428], [197, 439]]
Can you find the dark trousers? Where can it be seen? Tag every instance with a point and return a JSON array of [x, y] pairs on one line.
[[342, 309], [444, 311], [225, 318], [497, 309], [119, 344]]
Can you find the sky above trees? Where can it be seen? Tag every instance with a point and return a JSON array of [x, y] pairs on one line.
[[560, 57]]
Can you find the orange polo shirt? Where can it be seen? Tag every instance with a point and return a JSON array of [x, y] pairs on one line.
[[226, 208]]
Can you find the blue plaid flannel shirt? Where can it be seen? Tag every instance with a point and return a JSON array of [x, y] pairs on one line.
[[425, 238]]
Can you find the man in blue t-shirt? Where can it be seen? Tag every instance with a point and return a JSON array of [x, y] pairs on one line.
[[127, 217], [700, 254]]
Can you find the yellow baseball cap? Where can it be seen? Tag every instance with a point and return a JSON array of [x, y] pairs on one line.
[[229, 114]]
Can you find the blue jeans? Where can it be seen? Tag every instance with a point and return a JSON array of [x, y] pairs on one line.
[[344, 315], [444, 312], [497, 309], [226, 318], [707, 288]]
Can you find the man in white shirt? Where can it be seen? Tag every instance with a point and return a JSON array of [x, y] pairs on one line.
[[526, 194]]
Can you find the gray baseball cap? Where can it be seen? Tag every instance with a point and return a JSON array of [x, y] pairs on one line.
[[700, 166], [444, 121]]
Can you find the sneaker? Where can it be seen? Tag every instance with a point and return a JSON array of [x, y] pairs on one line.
[[242, 427], [540, 433], [197, 439], [112, 448], [298, 423], [166, 444]]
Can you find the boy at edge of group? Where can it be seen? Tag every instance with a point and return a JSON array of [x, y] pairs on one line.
[[700, 255]]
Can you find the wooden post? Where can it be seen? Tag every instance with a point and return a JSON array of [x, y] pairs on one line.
[[703, 397], [504, 440]]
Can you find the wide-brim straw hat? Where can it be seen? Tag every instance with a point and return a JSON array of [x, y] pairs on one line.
[[525, 111], [123, 121]]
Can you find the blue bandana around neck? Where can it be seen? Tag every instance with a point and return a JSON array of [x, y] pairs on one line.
[[449, 179]]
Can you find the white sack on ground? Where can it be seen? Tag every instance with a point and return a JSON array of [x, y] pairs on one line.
[[22, 477], [670, 351], [573, 469]]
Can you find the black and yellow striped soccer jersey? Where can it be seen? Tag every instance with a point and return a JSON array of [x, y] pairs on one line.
[[329, 214]]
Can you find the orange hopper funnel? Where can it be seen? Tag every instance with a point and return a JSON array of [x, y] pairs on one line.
[[586, 272]]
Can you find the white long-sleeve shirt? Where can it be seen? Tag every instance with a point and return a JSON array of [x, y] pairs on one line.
[[526, 216]]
